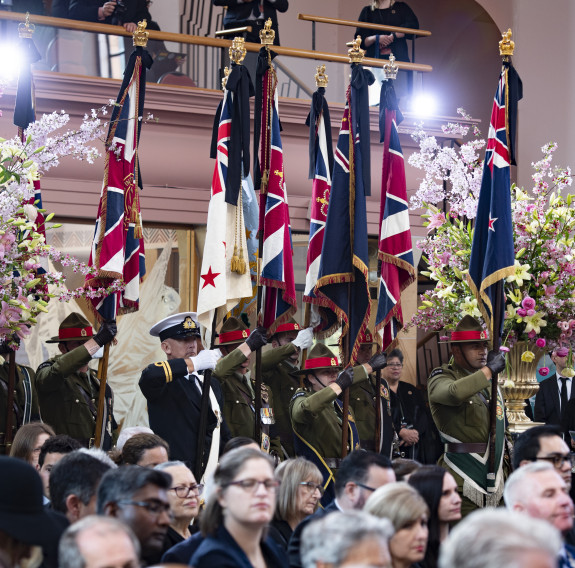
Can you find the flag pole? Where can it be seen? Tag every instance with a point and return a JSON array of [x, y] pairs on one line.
[[496, 334], [346, 355], [10, 401], [102, 377]]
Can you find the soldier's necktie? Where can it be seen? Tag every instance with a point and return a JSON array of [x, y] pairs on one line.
[[564, 397]]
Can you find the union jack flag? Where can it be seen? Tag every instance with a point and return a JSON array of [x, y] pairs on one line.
[[492, 250], [24, 115], [395, 250], [321, 166], [343, 271], [277, 277], [221, 288], [118, 247]]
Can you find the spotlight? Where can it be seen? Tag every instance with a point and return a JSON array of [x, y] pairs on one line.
[[424, 105], [11, 58]]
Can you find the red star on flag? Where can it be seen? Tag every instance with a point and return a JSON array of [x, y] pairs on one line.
[[491, 221], [209, 278]]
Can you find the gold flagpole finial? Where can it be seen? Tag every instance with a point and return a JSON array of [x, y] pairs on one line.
[[321, 78], [390, 69], [227, 72], [26, 29], [238, 50], [506, 45], [141, 35], [356, 54], [267, 35]]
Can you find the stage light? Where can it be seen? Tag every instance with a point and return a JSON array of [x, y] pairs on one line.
[[424, 105], [11, 58]]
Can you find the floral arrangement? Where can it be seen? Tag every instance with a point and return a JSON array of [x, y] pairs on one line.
[[26, 284], [540, 295]]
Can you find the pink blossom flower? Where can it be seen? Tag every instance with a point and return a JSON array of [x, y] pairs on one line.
[[521, 312], [504, 349], [544, 275], [540, 342], [562, 352], [436, 221], [444, 257], [443, 338], [528, 303], [544, 371], [530, 313], [532, 334], [549, 290]]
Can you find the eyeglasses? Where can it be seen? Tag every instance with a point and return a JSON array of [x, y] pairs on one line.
[[251, 485], [155, 508], [182, 491], [367, 487], [558, 459], [310, 486], [399, 365]]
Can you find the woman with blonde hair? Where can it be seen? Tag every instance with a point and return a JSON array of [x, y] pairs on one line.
[[239, 507], [301, 488], [408, 513]]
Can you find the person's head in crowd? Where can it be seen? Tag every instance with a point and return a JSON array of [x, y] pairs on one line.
[[73, 485], [183, 495], [243, 494], [51, 452], [346, 539], [127, 433], [99, 542], [469, 354], [496, 537], [300, 490], [234, 332], [100, 455], [408, 513], [239, 442], [28, 441], [439, 489], [404, 468], [286, 333], [321, 368], [392, 373], [365, 350], [539, 491], [145, 450], [543, 443], [359, 475], [24, 522], [138, 497]]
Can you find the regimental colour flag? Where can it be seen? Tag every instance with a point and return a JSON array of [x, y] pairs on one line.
[[321, 164], [395, 254], [222, 285], [277, 276], [492, 250], [117, 252], [343, 271]]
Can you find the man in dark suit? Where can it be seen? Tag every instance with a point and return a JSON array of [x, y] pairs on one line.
[[551, 401], [173, 389], [359, 475]]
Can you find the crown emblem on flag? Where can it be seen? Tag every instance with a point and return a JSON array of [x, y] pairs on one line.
[[321, 78], [26, 29], [267, 35], [141, 35], [227, 72], [356, 54], [390, 69], [238, 50], [506, 45]]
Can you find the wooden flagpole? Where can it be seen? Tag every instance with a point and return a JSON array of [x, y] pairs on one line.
[[102, 377]]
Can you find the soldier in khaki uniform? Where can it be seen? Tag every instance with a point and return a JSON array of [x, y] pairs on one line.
[[68, 390], [459, 398], [278, 366], [25, 407], [317, 413], [236, 344], [362, 401]]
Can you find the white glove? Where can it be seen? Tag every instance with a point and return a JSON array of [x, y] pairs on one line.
[[205, 359], [304, 339]]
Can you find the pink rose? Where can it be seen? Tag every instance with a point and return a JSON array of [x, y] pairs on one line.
[[540, 342], [544, 371], [504, 349], [521, 312], [562, 352], [532, 334], [544, 275], [549, 290], [530, 313], [528, 303]]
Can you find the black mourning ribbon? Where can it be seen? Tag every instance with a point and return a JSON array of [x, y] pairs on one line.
[[388, 101], [319, 107]]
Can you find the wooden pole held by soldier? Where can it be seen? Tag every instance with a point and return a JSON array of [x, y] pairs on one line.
[[102, 377]]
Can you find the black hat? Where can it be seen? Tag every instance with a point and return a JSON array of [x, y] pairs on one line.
[[22, 513], [177, 326]]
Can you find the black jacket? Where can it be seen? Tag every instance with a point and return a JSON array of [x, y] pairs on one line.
[[547, 403]]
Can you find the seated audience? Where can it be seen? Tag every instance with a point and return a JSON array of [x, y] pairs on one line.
[[239, 442], [346, 539], [184, 498], [496, 537], [404, 468], [24, 521], [360, 473], [145, 450], [28, 441], [439, 489], [299, 493], [408, 513], [137, 496], [51, 452], [96, 542], [238, 509], [73, 484]]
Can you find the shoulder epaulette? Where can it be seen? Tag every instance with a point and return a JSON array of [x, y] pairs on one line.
[[299, 392], [46, 364], [435, 372]]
